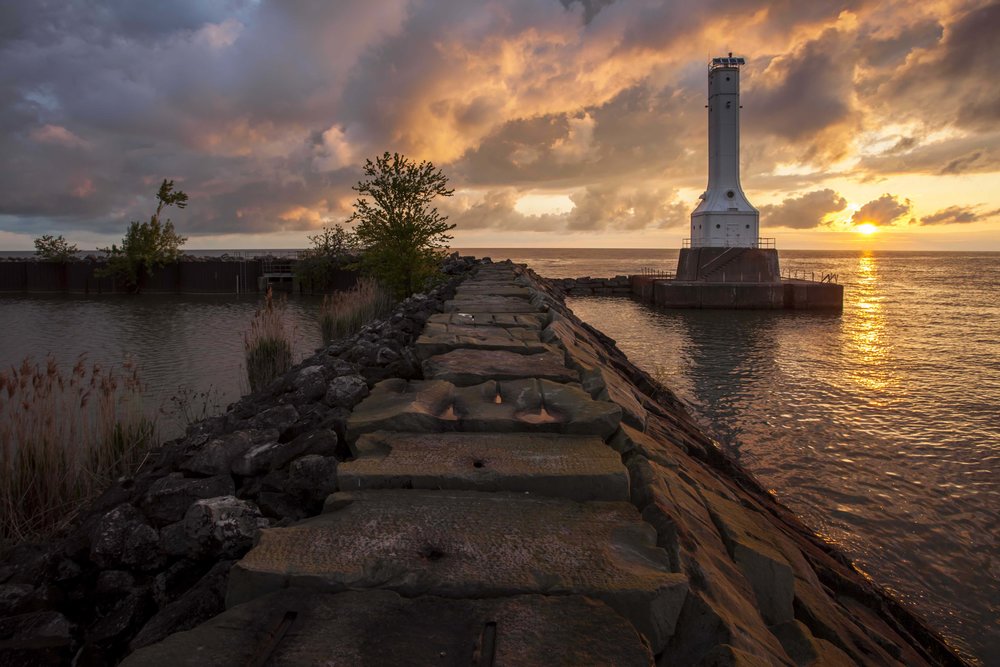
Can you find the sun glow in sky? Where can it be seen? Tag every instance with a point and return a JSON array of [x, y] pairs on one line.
[[559, 122]]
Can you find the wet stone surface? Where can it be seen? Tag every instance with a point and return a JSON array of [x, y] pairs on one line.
[[569, 466], [465, 367], [466, 544], [300, 627]]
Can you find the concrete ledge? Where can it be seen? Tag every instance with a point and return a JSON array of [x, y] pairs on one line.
[[302, 627], [464, 544], [576, 467]]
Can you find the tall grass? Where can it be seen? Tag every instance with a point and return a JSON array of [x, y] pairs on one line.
[[64, 437], [267, 345], [345, 312]]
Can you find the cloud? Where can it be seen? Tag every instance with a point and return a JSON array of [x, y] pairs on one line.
[[958, 215], [804, 211], [263, 110], [882, 211]]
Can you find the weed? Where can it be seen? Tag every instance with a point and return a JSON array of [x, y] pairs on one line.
[[345, 312], [267, 346], [64, 437]]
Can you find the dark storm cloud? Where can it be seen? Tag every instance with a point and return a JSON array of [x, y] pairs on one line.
[[802, 212], [953, 82], [960, 155], [882, 211], [958, 215]]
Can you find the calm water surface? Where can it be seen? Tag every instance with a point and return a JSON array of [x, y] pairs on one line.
[[188, 347], [880, 426]]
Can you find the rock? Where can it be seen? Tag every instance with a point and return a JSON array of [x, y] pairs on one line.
[[36, 638], [111, 587], [141, 549], [174, 540], [225, 526], [275, 455], [203, 601], [108, 540], [123, 620], [279, 417], [216, 456], [309, 383], [168, 499], [727, 656], [805, 649], [345, 391], [281, 506], [15, 598], [313, 476]]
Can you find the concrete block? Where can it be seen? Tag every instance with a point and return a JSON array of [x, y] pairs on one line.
[[577, 467]]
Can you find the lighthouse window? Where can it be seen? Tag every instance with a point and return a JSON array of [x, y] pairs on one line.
[[748, 226], [730, 194], [717, 226], [727, 78]]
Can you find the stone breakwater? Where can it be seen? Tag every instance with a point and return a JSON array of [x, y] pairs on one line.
[[481, 478]]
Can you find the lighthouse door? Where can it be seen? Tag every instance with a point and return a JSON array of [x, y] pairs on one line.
[[733, 235]]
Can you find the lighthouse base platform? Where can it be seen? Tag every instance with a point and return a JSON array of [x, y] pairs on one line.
[[783, 294], [735, 278]]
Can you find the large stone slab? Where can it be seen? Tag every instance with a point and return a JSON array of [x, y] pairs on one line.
[[540, 406], [491, 304], [507, 320], [465, 367], [465, 544], [301, 627], [439, 338], [477, 289], [577, 467]]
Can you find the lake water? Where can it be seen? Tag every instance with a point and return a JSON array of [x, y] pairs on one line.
[[880, 426]]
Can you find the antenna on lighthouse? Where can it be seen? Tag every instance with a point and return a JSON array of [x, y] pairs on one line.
[[725, 217]]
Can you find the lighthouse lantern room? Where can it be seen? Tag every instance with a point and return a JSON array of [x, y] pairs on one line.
[[724, 217]]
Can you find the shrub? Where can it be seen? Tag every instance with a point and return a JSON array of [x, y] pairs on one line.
[[63, 439], [401, 234], [267, 346], [146, 245], [345, 312], [55, 249], [333, 248]]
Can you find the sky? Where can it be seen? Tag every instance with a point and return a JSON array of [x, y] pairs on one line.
[[560, 123]]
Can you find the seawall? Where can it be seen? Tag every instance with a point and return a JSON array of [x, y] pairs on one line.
[[213, 275], [480, 478]]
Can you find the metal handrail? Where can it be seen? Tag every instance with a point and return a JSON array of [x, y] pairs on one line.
[[647, 272], [762, 242]]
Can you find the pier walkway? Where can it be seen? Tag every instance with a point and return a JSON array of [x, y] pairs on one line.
[[534, 499], [483, 520]]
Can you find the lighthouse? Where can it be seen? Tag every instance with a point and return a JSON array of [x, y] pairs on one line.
[[725, 263], [725, 218]]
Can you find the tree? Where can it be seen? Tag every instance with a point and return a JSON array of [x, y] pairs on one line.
[[332, 248], [401, 234], [147, 245], [55, 249]]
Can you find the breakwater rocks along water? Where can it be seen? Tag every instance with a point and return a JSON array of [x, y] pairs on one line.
[[478, 479]]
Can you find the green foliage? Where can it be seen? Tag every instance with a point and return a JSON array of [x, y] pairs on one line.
[[147, 245], [333, 248], [401, 234], [55, 249]]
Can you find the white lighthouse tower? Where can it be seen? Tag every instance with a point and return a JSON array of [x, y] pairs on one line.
[[724, 218]]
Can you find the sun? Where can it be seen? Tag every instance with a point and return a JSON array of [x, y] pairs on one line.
[[866, 229]]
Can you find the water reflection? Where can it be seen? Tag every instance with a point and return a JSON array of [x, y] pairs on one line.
[[867, 345]]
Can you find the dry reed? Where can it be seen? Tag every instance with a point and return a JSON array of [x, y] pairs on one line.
[[64, 437], [345, 312], [267, 345]]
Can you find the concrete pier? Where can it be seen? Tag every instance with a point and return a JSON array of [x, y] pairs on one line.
[[534, 499]]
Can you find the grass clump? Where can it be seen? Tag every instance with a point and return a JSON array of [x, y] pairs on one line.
[[64, 437], [345, 312], [267, 346]]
